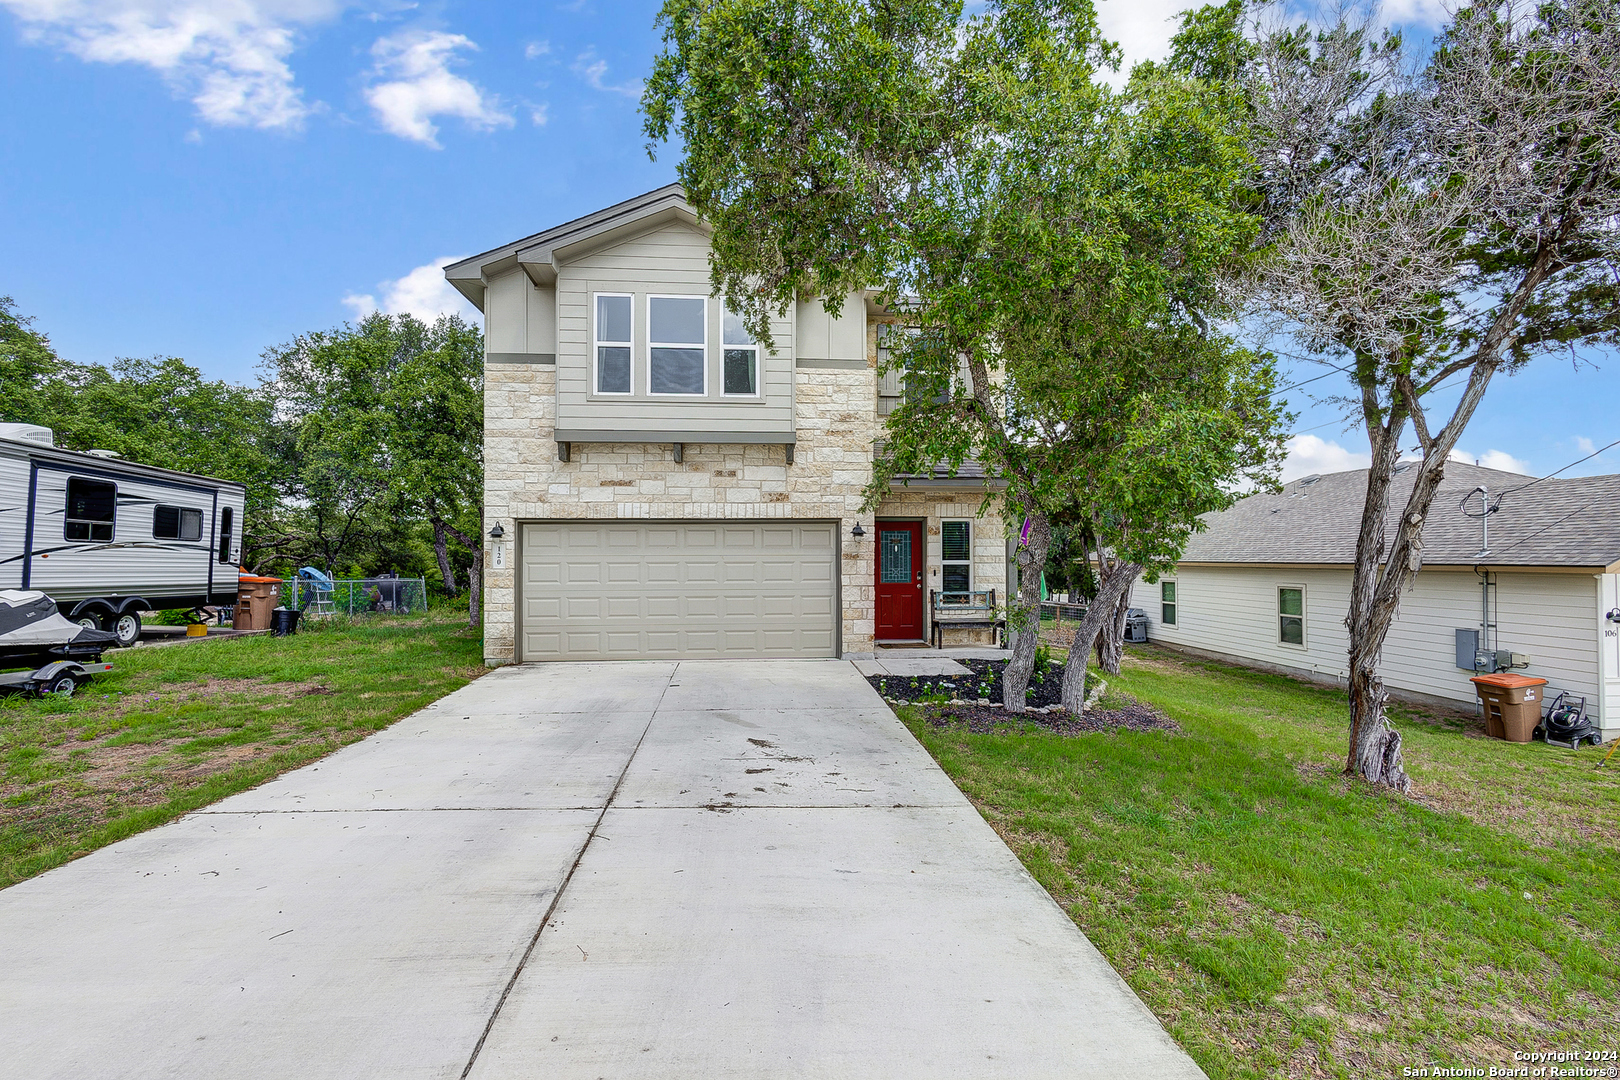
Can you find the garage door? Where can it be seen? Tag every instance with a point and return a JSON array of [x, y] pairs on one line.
[[595, 590]]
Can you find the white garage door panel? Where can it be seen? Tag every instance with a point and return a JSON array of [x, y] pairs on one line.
[[677, 589]]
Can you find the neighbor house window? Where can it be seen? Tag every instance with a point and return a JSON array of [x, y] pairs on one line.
[[227, 519], [613, 343], [1291, 616], [176, 523], [956, 556], [92, 506], [677, 343], [1167, 603], [740, 355]]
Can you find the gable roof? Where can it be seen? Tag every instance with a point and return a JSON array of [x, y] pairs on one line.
[[541, 253], [1549, 523]]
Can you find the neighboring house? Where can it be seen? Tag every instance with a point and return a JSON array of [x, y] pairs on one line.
[[665, 487], [1268, 584]]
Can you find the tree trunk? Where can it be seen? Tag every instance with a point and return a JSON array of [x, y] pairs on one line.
[[1111, 639], [1024, 614], [475, 575], [441, 548], [1115, 584]]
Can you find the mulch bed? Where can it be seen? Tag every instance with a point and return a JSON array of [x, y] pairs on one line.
[[971, 697]]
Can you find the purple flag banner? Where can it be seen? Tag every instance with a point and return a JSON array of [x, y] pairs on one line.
[[1023, 534]]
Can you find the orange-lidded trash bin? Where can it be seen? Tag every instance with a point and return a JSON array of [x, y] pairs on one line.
[[1512, 704], [255, 599]]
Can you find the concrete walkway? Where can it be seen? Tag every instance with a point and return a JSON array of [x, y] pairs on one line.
[[709, 870]]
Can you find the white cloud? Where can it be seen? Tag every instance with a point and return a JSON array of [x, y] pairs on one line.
[[1492, 459], [228, 56], [1308, 454], [413, 84], [593, 69], [540, 114], [1585, 445], [536, 49], [423, 292], [1142, 28]]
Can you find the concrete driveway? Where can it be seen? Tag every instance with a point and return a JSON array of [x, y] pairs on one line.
[[708, 869]]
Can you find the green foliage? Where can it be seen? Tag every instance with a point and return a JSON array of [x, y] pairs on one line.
[[1052, 244]]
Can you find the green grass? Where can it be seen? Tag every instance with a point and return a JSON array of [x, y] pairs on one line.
[[176, 727], [1283, 921]]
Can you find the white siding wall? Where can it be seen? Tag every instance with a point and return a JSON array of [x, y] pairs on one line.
[[672, 259], [1609, 645], [13, 514], [1548, 617]]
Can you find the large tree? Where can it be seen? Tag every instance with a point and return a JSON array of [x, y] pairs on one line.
[[385, 423], [1433, 228], [1050, 244]]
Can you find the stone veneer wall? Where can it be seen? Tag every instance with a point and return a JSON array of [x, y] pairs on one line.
[[523, 480], [836, 421], [988, 536]]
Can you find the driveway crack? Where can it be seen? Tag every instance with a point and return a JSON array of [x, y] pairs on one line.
[[556, 898]]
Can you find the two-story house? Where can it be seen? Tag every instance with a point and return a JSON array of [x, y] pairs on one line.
[[658, 485]]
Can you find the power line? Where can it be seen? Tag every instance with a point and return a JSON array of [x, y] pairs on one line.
[[1497, 504]]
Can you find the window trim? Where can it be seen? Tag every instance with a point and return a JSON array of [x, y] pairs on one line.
[[227, 528], [1169, 605], [759, 376], [67, 504], [1304, 608], [597, 342], [180, 518], [703, 346], [944, 562]]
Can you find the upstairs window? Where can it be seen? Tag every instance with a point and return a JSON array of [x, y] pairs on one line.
[[176, 523], [677, 343], [1167, 603], [956, 556], [227, 520], [613, 343], [92, 509], [740, 356], [1291, 616]]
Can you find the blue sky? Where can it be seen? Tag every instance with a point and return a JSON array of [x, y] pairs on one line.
[[206, 178]]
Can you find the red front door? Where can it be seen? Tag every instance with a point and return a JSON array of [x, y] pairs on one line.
[[899, 581]]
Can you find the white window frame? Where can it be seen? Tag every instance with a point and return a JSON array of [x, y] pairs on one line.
[[944, 562], [759, 374], [1175, 603], [703, 345], [1304, 609], [597, 343]]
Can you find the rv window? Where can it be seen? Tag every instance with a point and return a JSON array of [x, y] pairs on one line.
[[225, 522], [91, 508], [176, 523]]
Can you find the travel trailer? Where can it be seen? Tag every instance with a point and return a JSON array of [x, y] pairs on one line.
[[107, 539]]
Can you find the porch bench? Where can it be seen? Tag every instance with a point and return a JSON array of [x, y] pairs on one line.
[[974, 610]]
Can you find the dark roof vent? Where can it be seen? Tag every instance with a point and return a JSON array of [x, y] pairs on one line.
[[1402, 466], [1309, 480]]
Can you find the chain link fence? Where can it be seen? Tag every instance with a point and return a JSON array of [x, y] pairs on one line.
[[356, 596]]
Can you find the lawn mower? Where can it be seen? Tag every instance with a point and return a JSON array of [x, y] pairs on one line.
[[1566, 723]]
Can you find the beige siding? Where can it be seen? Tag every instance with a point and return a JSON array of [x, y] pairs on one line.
[[1548, 617], [823, 337], [672, 259], [506, 319]]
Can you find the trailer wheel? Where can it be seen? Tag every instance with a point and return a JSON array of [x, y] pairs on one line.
[[64, 685], [89, 621], [127, 626]]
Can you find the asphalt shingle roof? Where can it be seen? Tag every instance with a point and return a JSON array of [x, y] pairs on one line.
[[1574, 522]]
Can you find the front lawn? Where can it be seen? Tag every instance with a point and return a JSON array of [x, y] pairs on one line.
[[1284, 922], [176, 727]]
